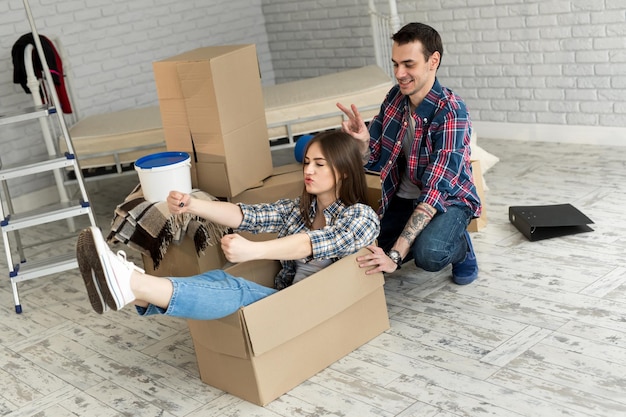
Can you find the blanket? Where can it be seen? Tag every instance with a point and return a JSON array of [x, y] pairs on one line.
[[150, 228]]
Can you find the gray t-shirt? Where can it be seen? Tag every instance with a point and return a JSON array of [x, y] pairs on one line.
[[305, 269], [407, 189]]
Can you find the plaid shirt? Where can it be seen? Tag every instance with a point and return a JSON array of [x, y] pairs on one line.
[[439, 161], [348, 229]]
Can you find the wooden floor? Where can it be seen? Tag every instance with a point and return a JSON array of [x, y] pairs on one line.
[[542, 332]]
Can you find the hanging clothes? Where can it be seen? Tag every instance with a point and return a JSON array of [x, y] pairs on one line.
[[54, 63]]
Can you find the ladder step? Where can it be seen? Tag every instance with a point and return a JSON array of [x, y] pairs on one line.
[[58, 211], [28, 113], [36, 166], [39, 268]]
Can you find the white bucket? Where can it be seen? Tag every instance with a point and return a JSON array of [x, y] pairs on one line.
[[160, 173]]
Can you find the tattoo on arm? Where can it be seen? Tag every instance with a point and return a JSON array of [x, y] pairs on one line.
[[417, 222]]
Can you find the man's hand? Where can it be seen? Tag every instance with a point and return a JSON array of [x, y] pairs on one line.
[[376, 261], [354, 126]]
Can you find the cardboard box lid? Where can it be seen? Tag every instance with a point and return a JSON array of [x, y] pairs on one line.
[[307, 304], [206, 52], [166, 70]]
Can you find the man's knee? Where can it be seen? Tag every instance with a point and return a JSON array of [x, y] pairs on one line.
[[431, 259]]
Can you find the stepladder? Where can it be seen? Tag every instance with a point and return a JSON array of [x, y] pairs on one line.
[[26, 230]]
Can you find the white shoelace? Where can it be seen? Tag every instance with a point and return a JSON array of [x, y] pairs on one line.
[[128, 264]]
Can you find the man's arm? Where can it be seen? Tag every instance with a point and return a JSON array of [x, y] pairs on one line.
[[422, 215]]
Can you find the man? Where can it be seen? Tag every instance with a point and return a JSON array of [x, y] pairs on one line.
[[420, 144]]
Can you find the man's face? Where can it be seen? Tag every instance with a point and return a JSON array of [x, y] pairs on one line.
[[415, 74]]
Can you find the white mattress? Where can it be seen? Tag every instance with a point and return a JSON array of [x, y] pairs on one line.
[[310, 104], [130, 134]]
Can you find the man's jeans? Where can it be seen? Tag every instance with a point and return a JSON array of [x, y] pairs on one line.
[[211, 295], [442, 242]]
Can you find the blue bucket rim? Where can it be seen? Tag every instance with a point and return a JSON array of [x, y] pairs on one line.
[[161, 159]]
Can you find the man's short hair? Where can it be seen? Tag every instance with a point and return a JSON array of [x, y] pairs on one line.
[[426, 35]]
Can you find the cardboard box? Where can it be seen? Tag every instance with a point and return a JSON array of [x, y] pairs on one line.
[[211, 104], [374, 195], [269, 347], [181, 260], [479, 223], [285, 182]]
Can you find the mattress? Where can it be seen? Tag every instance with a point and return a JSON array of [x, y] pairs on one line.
[[309, 105], [116, 138], [291, 109]]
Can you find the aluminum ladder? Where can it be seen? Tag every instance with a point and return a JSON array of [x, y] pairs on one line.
[[53, 163]]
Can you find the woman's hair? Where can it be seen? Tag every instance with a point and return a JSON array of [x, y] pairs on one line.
[[344, 158], [420, 32]]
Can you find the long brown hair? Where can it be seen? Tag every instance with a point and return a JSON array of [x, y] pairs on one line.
[[344, 158]]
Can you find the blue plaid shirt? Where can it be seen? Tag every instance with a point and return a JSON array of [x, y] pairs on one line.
[[439, 161], [348, 229]]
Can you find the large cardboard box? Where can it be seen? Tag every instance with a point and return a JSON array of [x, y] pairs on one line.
[[211, 104], [374, 195], [272, 345]]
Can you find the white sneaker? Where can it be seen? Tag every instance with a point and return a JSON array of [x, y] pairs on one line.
[[106, 274]]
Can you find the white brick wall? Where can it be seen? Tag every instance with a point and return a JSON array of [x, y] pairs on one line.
[[109, 47], [513, 61], [558, 62]]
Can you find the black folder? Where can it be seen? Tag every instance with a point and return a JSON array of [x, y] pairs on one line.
[[543, 222]]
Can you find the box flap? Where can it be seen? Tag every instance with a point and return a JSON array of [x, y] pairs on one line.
[[222, 336], [287, 185], [280, 317], [228, 335], [286, 169], [206, 52]]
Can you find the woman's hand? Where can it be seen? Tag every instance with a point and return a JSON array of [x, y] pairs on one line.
[[237, 248], [376, 261], [177, 202]]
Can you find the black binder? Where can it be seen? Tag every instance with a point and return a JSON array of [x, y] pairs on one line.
[[543, 222]]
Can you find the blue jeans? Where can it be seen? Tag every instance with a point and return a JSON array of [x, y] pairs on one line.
[[442, 241], [208, 296]]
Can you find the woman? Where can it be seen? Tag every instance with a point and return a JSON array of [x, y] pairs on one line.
[[327, 222]]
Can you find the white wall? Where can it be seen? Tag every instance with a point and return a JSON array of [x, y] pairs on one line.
[[515, 62], [109, 47], [533, 68]]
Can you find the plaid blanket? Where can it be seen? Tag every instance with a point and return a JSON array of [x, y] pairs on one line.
[[150, 228]]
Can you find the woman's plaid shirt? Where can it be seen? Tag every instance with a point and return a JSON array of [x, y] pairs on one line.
[[348, 229]]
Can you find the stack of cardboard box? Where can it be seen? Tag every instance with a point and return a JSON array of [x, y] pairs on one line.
[[211, 104], [212, 107]]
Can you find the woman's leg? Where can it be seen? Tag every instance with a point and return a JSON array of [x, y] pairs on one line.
[[113, 282], [210, 295]]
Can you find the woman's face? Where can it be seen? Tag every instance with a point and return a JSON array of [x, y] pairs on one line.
[[318, 175]]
